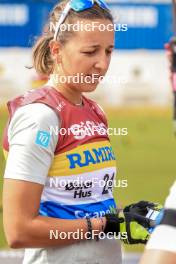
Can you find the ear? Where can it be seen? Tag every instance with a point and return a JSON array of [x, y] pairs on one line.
[[55, 50]]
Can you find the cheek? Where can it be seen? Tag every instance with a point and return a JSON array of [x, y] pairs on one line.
[[76, 63], [83, 65]]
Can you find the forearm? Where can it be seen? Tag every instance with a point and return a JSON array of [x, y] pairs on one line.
[[46, 232], [158, 257]]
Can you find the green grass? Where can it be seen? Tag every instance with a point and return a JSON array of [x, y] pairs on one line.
[[146, 157], [3, 118]]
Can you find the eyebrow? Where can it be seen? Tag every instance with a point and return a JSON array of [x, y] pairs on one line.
[[97, 46]]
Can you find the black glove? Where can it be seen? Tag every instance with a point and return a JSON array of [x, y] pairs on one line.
[[133, 222]]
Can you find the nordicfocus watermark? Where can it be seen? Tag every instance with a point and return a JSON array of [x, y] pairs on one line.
[[107, 183], [92, 26], [80, 235], [81, 78], [88, 128]]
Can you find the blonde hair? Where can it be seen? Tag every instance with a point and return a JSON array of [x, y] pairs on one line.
[[42, 59]]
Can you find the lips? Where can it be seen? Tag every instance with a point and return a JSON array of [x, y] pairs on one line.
[[93, 79], [95, 76]]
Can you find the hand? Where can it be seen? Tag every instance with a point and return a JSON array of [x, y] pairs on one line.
[[130, 231], [139, 221], [136, 233], [133, 222]]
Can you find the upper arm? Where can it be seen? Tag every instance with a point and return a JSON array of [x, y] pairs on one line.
[[28, 160]]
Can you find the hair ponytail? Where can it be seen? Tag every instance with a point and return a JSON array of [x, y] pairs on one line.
[[42, 59]]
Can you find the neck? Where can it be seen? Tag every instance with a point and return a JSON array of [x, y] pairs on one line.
[[73, 96]]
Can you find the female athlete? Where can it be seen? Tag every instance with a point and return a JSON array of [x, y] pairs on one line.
[[59, 154]]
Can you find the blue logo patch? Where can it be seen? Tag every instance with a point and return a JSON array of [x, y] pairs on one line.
[[43, 138]]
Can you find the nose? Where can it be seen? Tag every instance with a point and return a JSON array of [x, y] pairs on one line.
[[102, 62]]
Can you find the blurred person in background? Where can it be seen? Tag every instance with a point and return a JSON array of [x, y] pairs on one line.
[[49, 182], [161, 248]]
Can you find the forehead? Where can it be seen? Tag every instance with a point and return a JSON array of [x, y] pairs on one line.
[[94, 32]]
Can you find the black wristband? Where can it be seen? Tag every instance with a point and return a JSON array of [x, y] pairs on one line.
[[169, 217], [89, 227]]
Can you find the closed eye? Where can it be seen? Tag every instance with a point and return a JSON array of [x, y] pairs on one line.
[[109, 52], [89, 52]]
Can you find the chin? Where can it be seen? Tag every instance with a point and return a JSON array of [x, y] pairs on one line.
[[89, 87]]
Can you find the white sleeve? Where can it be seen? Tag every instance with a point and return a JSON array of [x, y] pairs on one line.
[[171, 199], [31, 146], [164, 236]]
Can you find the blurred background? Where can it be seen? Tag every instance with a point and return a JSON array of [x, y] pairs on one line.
[[140, 99]]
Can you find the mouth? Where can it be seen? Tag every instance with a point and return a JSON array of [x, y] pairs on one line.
[[95, 77]]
